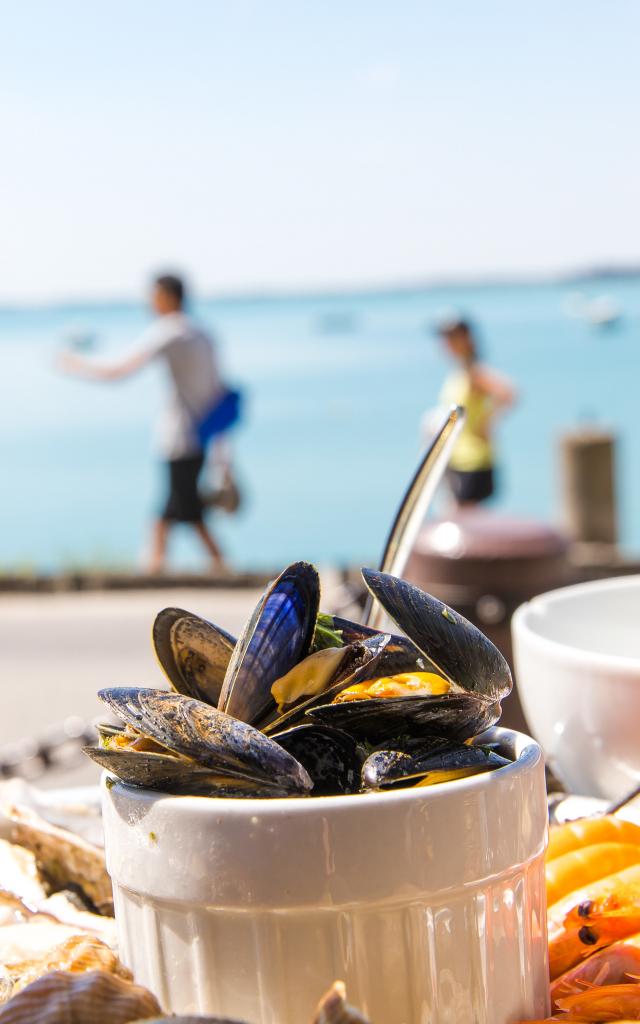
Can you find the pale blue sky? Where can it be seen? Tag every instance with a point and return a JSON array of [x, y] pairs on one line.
[[279, 143]]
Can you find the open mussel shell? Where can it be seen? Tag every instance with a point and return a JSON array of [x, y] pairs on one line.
[[385, 768], [360, 662], [456, 715], [194, 653], [150, 770], [459, 651], [331, 757], [278, 635], [205, 735]]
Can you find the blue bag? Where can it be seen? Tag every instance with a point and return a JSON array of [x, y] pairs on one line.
[[220, 417]]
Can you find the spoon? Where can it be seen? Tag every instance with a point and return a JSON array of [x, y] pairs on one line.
[[414, 505]]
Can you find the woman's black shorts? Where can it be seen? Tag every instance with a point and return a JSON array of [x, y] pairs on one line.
[[183, 503], [471, 487]]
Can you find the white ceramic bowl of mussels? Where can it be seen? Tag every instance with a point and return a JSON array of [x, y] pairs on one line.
[[309, 804], [428, 902]]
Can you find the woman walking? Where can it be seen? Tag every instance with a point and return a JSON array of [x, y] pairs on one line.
[[485, 395]]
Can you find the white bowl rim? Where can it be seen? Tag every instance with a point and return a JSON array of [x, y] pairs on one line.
[[529, 756], [567, 652]]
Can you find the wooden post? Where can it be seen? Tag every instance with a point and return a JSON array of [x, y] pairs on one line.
[[588, 486]]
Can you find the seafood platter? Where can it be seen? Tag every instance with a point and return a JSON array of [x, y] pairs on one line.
[[289, 734], [320, 807]]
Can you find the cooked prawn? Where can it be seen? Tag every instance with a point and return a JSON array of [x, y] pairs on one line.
[[576, 834], [614, 965], [603, 1003], [622, 906], [578, 868], [593, 891], [577, 941]]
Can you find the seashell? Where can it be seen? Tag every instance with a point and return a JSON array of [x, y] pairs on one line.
[[63, 858], [33, 938], [193, 653], [92, 998], [77, 954], [13, 910], [333, 1009], [19, 873], [189, 1020], [67, 908]]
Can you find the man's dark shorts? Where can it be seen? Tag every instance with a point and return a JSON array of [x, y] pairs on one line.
[[184, 504]]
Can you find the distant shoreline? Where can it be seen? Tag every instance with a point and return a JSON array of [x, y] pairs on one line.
[[569, 278]]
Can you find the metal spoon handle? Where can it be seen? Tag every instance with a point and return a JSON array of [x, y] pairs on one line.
[[619, 804], [414, 505]]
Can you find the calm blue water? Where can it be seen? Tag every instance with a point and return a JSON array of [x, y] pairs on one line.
[[332, 427]]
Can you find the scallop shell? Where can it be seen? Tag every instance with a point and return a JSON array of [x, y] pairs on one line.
[[92, 998], [78, 954], [333, 1008], [63, 858]]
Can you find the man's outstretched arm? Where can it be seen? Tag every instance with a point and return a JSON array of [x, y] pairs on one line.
[[91, 369]]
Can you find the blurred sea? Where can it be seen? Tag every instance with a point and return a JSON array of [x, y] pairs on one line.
[[336, 388]]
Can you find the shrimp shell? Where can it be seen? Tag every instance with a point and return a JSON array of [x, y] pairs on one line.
[[613, 965], [575, 835], [603, 1003]]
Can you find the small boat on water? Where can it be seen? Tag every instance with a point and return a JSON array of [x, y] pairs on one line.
[[602, 312], [598, 311], [336, 322]]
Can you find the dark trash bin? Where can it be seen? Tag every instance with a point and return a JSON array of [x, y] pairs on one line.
[[484, 565]]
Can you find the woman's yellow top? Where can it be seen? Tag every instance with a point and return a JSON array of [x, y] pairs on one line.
[[473, 450]]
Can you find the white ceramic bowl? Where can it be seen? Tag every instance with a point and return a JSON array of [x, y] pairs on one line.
[[429, 903], [577, 660]]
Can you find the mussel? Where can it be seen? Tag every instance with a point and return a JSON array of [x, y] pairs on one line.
[[460, 699], [196, 747], [305, 703], [278, 635], [193, 653], [437, 759]]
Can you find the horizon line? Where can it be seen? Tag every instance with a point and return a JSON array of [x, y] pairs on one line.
[[327, 291]]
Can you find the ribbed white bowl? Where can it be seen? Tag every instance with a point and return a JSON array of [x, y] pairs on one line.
[[577, 655], [429, 903]]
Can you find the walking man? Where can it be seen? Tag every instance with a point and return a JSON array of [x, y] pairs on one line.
[[194, 388]]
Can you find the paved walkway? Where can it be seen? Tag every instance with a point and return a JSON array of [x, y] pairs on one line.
[[57, 650]]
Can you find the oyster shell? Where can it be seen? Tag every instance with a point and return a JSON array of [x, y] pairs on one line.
[[63, 858], [19, 874]]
